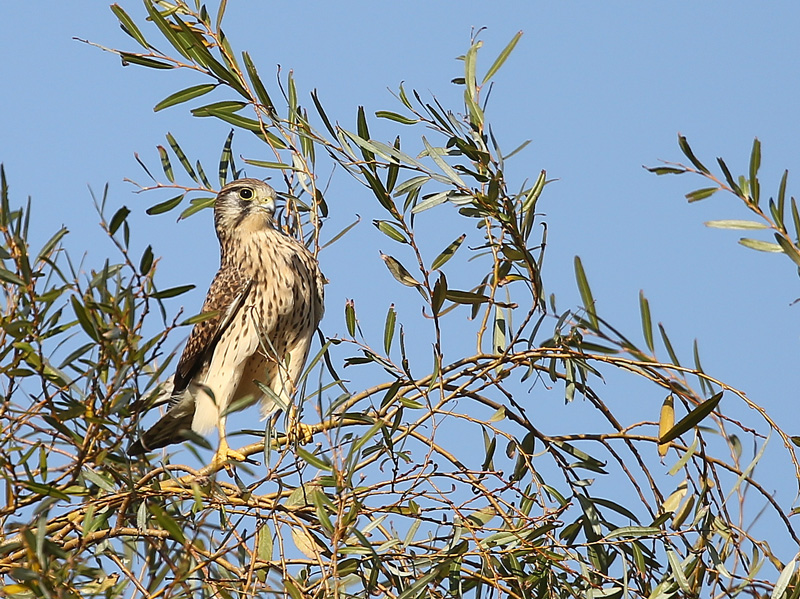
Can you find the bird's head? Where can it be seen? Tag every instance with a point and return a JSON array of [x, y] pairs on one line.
[[242, 206]]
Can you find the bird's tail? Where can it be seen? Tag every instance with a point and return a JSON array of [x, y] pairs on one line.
[[171, 428]]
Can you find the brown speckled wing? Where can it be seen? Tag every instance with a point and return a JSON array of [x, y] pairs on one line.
[[225, 296]]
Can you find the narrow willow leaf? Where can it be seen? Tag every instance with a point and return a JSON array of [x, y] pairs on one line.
[[501, 58], [165, 164], [430, 201], [761, 246], [729, 178], [143, 61], [393, 116], [687, 151], [165, 206], [755, 164], [677, 572], [783, 580], [350, 317], [264, 544], [146, 263], [268, 164], [128, 26], [399, 272], [788, 248], [633, 531], [197, 204], [667, 344], [665, 170], [388, 329], [465, 297], [647, 323], [442, 164], [181, 157], [184, 95], [225, 159], [202, 317], [447, 253], [258, 86], [167, 522], [666, 421], [118, 218], [586, 293], [692, 419], [390, 231], [172, 292], [701, 194], [734, 224]]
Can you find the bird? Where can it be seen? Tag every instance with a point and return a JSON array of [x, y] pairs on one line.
[[262, 309]]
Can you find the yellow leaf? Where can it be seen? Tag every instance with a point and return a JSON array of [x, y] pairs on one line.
[[665, 423]]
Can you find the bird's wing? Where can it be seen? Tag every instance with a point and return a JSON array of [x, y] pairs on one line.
[[225, 296], [224, 299]]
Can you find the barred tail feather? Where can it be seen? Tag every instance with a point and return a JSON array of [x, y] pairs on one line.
[[170, 429]]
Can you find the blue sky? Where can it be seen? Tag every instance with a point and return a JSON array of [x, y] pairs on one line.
[[600, 88]]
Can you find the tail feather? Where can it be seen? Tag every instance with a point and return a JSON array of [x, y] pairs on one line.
[[171, 428]]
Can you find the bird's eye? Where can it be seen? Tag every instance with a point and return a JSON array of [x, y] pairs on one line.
[[246, 193]]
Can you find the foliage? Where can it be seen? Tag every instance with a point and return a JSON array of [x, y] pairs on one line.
[[389, 500]]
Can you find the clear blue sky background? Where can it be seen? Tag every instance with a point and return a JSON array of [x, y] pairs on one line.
[[600, 89]]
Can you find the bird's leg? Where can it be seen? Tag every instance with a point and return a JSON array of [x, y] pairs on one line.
[[224, 453], [296, 431]]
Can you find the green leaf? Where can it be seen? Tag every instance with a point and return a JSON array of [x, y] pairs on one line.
[[10, 277], [761, 246], [729, 178], [226, 159], [586, 293], [203, 316], [788, 248], [633, 532], [165, 206], [196, 205], [399, 272], [101, 481], [128, 26], [146, 262], [118, 218], [692, 419], [647, 323], [264, 544], [465, 297], [350, 317], [390, 230], [687, 151], [667, 344], [184, 95], [172, 292], [166, 166], [181, 156], [701, 194], [447, 253], [735, 224], [258, 86], [143, 61], [167, 522], [665, 170], [388, 329], [501, 58], [47, 490], [443, 166], [755, 164], [393, 116]]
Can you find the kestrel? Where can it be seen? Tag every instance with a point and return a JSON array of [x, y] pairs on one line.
[[265, 302]]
